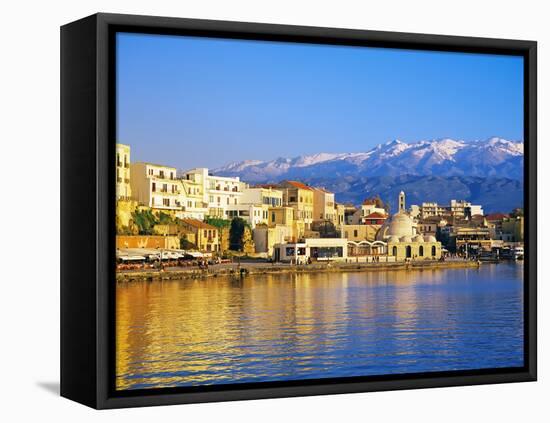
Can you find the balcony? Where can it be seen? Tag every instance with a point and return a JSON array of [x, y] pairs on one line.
[[119, 180]]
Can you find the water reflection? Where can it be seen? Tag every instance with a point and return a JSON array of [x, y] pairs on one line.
[[282, 327]]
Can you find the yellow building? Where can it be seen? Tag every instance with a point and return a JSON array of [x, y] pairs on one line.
[[206, 236], [155, 186], [123, 188], [300, 197], [323, 205], [360, 232], [512, 229]]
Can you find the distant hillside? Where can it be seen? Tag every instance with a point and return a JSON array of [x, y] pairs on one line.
[[494, 194], [487, 172]]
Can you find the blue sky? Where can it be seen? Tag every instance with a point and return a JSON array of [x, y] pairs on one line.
[[187, 101]]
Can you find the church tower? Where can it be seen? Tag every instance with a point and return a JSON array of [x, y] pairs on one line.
[[401, 202]]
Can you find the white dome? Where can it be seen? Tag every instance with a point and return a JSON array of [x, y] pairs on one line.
[[429, 238], [418, 238], [405, 238], [401, 225], [393, 239]]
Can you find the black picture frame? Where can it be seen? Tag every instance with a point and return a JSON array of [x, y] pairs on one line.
[[87, 172]]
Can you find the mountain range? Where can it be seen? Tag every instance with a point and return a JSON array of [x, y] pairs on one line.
[[487, 172]]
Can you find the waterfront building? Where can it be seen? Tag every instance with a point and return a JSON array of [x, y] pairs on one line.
[[370, 208], [300, 197], [123, 188], [253, 214], [191, 198], [512, 229], [430, 225], [284, 216], [358, 233], [268, 195], [340, 214], [265, 237], [155, 186], [403, 239], [218, 191], [456, 209], [323, 205], [467, 240], [314, 249], [205, 236]]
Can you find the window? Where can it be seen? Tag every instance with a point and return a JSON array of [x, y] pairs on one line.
[[205, 233], [421, 251], [164, 188], [118, 159], [273, 217], [433, 251], [355, 233], [408, 251], [219, 200], [227, 200], [161, 173], [154, 187], [235, 201], [171, 175], [166, 202], [394, 251]]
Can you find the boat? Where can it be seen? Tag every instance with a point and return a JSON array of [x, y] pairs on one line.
[[519, 253]]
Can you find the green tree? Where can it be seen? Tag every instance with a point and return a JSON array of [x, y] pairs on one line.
[[218, 222], [236, 233]]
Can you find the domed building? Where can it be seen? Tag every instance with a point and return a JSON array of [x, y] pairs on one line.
[[400, 232]]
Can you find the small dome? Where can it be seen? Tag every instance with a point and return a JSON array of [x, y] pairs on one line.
[[429, 238], [393, 239], [418, 238], [405, 238], [401, 225]]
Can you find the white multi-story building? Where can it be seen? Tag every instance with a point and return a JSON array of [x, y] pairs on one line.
[[261, 195], [155, 186], [218, 191], [254, 214], [457, 208], [191, 198]]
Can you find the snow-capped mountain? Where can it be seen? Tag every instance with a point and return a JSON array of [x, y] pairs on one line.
[[494, 157]]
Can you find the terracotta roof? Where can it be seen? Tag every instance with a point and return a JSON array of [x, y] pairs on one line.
[[198, 223], [376, 215], [496, 216], [299, 185], [369, 202]]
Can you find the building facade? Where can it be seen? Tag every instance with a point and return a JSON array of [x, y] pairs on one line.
[[218, 191], [123, 188], [205, 236], [312, 249], [300, 197], [155, 186], [323, 205]]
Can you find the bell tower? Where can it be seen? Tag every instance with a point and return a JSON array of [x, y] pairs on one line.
[[401, 202]]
